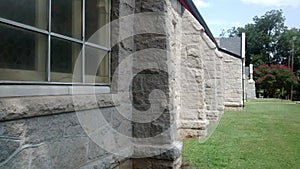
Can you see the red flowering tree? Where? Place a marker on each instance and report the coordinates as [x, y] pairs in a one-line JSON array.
[[274, 80]]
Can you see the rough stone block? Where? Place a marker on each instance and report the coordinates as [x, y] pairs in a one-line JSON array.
[[8, 146], [191, 133], [193, 124], [68, 153]]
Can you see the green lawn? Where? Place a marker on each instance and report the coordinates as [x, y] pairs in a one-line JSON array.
[[265, 135]]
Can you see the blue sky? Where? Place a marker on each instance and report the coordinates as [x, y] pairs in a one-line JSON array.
[[224, 14]]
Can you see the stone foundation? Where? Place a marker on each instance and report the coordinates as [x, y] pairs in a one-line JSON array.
[[45, 132]]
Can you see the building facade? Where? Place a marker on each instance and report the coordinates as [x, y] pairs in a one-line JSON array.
[[233, 51], [105, 84]]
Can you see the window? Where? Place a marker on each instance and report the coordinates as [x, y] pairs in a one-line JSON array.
[[54, 41]]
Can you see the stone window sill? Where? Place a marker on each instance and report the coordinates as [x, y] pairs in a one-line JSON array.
[[49, 90], [26, 107]]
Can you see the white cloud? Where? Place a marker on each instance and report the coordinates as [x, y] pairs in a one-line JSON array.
[[201, 4], [278, 3]]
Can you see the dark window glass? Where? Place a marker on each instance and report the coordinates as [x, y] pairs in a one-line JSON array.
[[30, 12], [67, 18], [96, 65], [65, 55], [96, 22], [22, 54]]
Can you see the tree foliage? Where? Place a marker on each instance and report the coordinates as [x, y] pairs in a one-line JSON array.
[[274, 80], [270, 42], [261, 37], [284, 48]]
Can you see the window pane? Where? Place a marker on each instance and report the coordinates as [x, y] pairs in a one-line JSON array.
[[96, 65], [22, 54], [65, 56], [66, 18], [30, 12], [97, 16]]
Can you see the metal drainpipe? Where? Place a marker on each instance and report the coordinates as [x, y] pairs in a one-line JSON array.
[[243, 65]]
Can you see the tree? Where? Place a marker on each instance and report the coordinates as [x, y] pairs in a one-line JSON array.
[[297, 94], [274, 80], [284, 48], [269, 41], [261, 37]]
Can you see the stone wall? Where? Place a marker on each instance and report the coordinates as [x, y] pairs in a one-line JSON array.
[[214, 84], [167, 81], [233, 93], [220, 81], [46, 132], [201, 80], [154, 86], [192, 120], [75, 131], [250, 89]]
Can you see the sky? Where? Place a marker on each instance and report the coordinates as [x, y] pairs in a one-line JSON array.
[[224, 14]]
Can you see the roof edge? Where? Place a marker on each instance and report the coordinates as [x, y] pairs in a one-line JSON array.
[[230, 53], [189, 5]]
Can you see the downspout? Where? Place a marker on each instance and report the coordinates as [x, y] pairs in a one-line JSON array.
[[243, 66]]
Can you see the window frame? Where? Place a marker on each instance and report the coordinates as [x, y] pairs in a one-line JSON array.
[[50, 35]]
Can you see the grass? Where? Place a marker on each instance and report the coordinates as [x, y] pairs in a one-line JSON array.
[[265, 135]]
